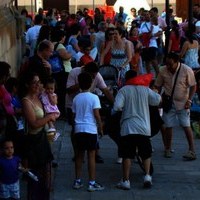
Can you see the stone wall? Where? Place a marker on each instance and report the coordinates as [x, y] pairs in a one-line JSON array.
[[11, 37]]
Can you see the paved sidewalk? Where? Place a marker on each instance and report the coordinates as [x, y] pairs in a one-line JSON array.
[[173, 178]]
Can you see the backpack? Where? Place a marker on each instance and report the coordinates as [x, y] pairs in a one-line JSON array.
[[56, 61]]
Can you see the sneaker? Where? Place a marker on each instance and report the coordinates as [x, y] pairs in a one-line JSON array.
[[124, 185], [119, 160], [99, 159], [167, 154], [95, 187], [190, 155], [147, 181], [77, 185]]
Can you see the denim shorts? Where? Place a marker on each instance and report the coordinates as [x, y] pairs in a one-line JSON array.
[[10, 190], [173, 116]]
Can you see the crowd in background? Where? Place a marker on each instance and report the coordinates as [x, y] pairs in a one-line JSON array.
[[60, 46]]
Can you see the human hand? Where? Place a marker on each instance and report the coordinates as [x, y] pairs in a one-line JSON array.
[[46, 64], [188, 104]]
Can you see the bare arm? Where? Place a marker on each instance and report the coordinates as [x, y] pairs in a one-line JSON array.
[[104, 52], [98, 119], [108, 94], [53, 99], [64, 54], [30, 116], [184, 49]]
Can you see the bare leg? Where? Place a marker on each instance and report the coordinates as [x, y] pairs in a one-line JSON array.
[[91, 165], [168, 134], [155, 66], [190, 138], [126, 166], [78, 163], [147, 163], [163, 133]]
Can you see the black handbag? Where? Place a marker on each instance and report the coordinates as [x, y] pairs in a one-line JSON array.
[[167, 100]]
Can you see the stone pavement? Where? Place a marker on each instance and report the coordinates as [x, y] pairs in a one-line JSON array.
[[173, 178]]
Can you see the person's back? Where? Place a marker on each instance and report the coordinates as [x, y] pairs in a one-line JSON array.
[[135, 115]]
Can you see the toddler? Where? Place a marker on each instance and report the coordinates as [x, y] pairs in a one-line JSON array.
[[49, 101], [9, 172]]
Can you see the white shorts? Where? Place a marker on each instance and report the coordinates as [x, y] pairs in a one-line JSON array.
[[182, 116]]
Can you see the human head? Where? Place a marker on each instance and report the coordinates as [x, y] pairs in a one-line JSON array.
[[38, 20], [11, 85], [92, 68], [7, 148], [29, 82], [118, 33], [133, 11], [85, 80], [121, 9], [109, 34], [154, 11], [154, 20], [50, 85], [75, 29], [58, 36], [146, 15], [102, 26], [45, 49], [130, 74], [172, 60], [24, 12], [196, 9], [40, 11], [44, 33], [4, 72]]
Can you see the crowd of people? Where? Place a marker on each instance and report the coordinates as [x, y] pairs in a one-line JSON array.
[[60, 80]]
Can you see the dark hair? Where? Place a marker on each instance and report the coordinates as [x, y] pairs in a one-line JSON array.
[[11, 83], [84, 80], [38, 19], [74, 29], [173, 56], [50, 80], [25, 80], [4, 69], [24, 11], [189, 36], [57, 35], [43, 34], [91, 67], [130, 74], [3, 142], [120, 31], [175, 28], [107, 33], [45, 44], [154, 9]]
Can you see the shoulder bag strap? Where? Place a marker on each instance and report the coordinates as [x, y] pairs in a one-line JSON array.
[[175, 81]]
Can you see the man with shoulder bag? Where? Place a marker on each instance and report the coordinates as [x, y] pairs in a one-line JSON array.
[[179, 86]]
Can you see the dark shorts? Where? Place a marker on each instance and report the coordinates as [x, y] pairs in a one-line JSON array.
[[149, 54], [132, 144], [86, 141]]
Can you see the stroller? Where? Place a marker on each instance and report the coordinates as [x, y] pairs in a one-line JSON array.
[[110, 75]]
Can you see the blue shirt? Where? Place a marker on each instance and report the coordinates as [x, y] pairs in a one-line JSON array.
[[9, 170]]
